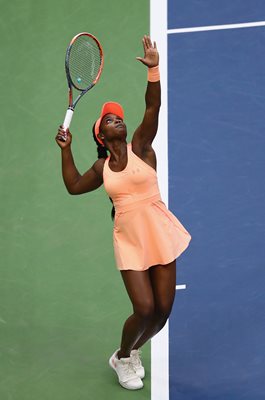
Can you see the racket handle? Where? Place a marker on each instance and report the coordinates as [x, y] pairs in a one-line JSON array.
[[68, 118]]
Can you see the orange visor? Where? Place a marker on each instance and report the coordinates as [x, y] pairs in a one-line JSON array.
[[108, 108]]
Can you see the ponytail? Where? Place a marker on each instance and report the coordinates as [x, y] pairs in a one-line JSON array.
[[102, 153]]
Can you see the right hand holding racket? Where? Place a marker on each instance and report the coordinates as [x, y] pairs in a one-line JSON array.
[[63, 137]]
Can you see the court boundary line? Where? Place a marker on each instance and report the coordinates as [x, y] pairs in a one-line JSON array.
[[216, 27], [160, 343]]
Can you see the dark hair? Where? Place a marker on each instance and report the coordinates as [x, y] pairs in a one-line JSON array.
[[102, 153]]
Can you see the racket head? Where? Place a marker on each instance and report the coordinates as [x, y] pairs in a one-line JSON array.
[[84, 61]]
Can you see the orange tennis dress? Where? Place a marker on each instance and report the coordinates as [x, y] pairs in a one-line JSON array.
[[145, 232]]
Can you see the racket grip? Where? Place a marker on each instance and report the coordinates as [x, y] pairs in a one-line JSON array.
[[68, 118]]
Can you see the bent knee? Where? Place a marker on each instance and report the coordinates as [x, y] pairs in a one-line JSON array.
[[145, 310], [162, 311]]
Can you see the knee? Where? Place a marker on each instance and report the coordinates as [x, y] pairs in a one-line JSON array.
[[145, 310], [162, 312]]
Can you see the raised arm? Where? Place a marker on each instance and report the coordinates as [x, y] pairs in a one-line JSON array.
[[74, 182], [145, 133]]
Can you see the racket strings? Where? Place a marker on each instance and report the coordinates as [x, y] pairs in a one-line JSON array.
[[84, 62]]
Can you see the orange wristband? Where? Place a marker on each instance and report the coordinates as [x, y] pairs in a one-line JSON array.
[[153, 74]]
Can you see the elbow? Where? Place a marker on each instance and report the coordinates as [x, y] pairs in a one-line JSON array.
[[71, 186], [71, 191]]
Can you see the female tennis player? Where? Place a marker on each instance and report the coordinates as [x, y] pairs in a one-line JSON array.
[[147, 237]]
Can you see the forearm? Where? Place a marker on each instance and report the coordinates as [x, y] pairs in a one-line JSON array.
[[69, 170], [153, 95]]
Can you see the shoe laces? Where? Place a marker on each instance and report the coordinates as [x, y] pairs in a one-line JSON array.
[[128, 371], [136, 358]]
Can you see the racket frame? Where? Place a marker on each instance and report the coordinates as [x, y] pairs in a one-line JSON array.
[[71, 84]]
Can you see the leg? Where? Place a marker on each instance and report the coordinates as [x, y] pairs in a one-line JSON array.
[[163, 279], [139, 288]]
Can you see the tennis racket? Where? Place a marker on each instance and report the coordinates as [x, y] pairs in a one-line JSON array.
[[83, 66]]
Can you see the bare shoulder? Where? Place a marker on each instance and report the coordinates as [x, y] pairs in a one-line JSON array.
[[146, 153], [98, 167]]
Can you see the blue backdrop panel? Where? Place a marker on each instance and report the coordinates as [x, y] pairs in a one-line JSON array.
[[187, 13], [216, 188]]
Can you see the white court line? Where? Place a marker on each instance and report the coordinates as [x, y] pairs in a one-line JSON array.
[[180, 287], [216, 27], [159, 344]]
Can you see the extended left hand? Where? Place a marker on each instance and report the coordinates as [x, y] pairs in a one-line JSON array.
[[151, 55]]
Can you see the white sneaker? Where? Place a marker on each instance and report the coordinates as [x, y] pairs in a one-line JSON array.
[[137, 364], [126, 374]]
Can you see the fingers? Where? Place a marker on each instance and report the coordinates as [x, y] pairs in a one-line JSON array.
[[140, 59], [62, 131], [144, 44], [147, 43], [63, 136]]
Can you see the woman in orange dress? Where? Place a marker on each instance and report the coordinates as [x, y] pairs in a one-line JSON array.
[[147, 237]]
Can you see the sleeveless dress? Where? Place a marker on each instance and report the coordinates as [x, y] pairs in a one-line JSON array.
[[145, 232]]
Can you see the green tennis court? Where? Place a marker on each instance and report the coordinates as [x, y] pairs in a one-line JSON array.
[[62, 300]]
